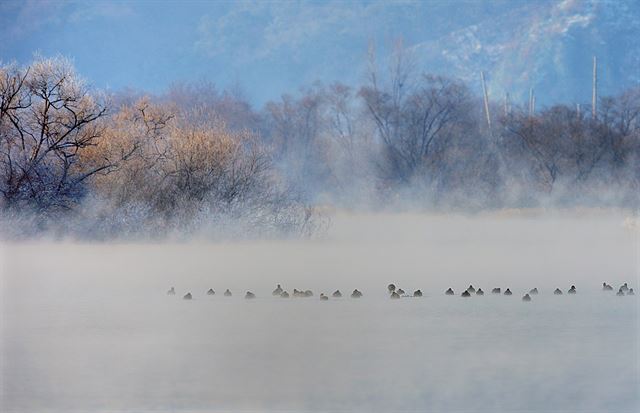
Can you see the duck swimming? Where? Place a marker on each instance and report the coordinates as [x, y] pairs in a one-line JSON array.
[[471, 289], [249, 295], [391, 288], [479, 291], [277, 291], [533, 291], [417, 293], [557, 291], [172, 291], [624, 287], [449, 292], [187, 296], [284, 294], [211, 292], [323, 297], [227, 293], [356, 294], [337, 294], [526, 297], [572, 290], [630, 292], [308, 293], [495, 290], [507, 292], [465, 294], [606, 287], [400, 291], [395, 295], [620, 292]]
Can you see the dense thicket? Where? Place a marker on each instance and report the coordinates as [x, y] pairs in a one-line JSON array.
[[74, 161], [195, 157]]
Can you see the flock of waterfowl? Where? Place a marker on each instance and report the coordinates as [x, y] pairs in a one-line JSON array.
[[624, 289], [396, 293]]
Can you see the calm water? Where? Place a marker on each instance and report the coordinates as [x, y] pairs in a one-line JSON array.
[[89, 327]]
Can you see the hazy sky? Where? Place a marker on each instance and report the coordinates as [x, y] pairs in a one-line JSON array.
[[269, 48]]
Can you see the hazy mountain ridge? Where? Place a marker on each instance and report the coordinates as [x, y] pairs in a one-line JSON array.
[[545, 46], [275, 48]]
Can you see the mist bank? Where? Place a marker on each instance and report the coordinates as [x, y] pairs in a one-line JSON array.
[[517, 249], [89, 327], [79, 163]]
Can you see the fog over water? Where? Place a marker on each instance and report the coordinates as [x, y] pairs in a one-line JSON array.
[[89, 327]]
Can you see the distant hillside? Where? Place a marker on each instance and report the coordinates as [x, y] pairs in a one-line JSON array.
[[547, 46]]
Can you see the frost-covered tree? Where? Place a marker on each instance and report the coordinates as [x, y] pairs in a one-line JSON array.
[[48, 117]]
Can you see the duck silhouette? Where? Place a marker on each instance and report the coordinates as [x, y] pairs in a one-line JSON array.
[[337, 294], [400, 291], [249, 295], [557, 291], [308, 293], [526, 297], [356, 294], [495, 290], [284, 294], [187, 296], [417, 293], [395, 295], [449, 292], [507, 292], [471, 289], [624, 287], [620, 292], [630, 292], [277, 291], [323, 297], [391, 288], [227, 293], [479, 291], [465, 294], [572, 290], [211, 292], [606, 287], [533, 291], [172, 291]]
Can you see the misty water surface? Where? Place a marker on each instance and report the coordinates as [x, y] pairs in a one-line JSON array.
[[89, 327]]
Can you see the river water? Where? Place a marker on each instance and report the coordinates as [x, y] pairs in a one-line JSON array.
[[88, 327]]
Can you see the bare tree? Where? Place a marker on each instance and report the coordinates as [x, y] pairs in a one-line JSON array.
[[413, 127], [619, 125], [47, 118], [296, 125], [231, 107], [137, 134], [561, 144], [538, 139]]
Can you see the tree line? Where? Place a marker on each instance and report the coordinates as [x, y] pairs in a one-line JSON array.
[[195, 156]]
